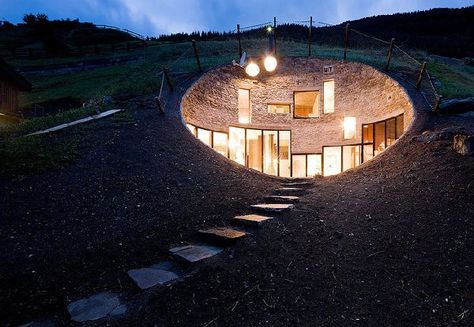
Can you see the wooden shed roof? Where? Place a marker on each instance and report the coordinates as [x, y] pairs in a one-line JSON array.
[[7, 72]]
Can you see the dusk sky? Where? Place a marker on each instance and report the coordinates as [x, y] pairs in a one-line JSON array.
[[155, 17]]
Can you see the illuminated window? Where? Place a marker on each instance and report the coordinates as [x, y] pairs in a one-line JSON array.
[[270, 152], [278, 108], [299, 165], [332, 160], [284, 138], [244, 106], [219, 142], [328, 88], [350, 156], [400, 126], [368, 142], [237, 144], [306, 104], [204, 136], [254, 149], [191, 128], [349, 128], [314, 165], [390, 131], [379, 139]]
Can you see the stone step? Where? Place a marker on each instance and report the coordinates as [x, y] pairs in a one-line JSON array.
[[297, 184], [152, 276], [194, 253], [273, 207], [96, 307], [221, 234], [282, 198], [290, 191], [251, 220]]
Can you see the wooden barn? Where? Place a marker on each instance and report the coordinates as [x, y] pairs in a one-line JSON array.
[[11, 84]]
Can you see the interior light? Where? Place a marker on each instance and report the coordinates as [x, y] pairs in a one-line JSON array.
[[252, 69], [270, 63], [349, 128]]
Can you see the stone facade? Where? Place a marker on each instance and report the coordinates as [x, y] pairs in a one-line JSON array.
[[360, 91]]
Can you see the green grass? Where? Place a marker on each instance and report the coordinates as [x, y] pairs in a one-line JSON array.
[[23, 156], [454, 81], [26, 155], [36, 124]]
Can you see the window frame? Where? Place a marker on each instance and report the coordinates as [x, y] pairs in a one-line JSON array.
[[334, 97], [279, 104], [294, 104], [250, 106]]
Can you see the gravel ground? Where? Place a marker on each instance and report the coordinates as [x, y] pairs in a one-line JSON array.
[[389, 243]]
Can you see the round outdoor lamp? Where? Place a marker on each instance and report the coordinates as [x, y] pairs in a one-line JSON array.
[[270, 63], [252, 69]]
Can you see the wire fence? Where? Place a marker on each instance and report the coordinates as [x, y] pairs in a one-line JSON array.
[[308, 38], [291, 38]]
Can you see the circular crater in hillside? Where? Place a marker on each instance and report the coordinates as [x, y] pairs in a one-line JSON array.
[[309, 117]]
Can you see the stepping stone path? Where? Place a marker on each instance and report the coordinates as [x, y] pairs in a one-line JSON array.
[[297, 184], [96, 307], [108, 304], [273, 207], [222, 234], [290, 191], [282, 198], [194, 253], [152, 276], [251, 220]]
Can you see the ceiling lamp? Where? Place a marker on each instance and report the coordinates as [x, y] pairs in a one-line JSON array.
[[252, 69], [270, 63]]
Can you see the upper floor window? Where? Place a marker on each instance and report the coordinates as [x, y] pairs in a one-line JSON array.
[[278, 108], [328, 87], [244, 106], [306, 104]]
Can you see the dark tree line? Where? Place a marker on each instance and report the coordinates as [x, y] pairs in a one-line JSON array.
[[442, 31]]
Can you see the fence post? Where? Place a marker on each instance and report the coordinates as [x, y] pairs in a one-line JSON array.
[[196, 54], [346, 41], [309, 35], [389, 55], [274, 36], [420, 78], [240, 44], [169, 81], [439, 98]]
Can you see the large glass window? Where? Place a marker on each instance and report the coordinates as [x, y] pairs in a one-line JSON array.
[[219, 143], [349, 128], [254, 149], [314, 165], [332, 160], [270, 152], [191, 128], [284, 139], [204, 136], [306, 104], [379, 139], [390, 131], [350, 156], [278, 108], [237, 144], [299, 165], [328, 88], [400, 126], [244, 106]]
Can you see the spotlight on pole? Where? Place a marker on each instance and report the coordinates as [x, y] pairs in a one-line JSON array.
[[252, 69], [270, 63]]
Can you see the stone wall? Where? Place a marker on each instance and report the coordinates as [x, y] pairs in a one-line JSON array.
[[360, 91]]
